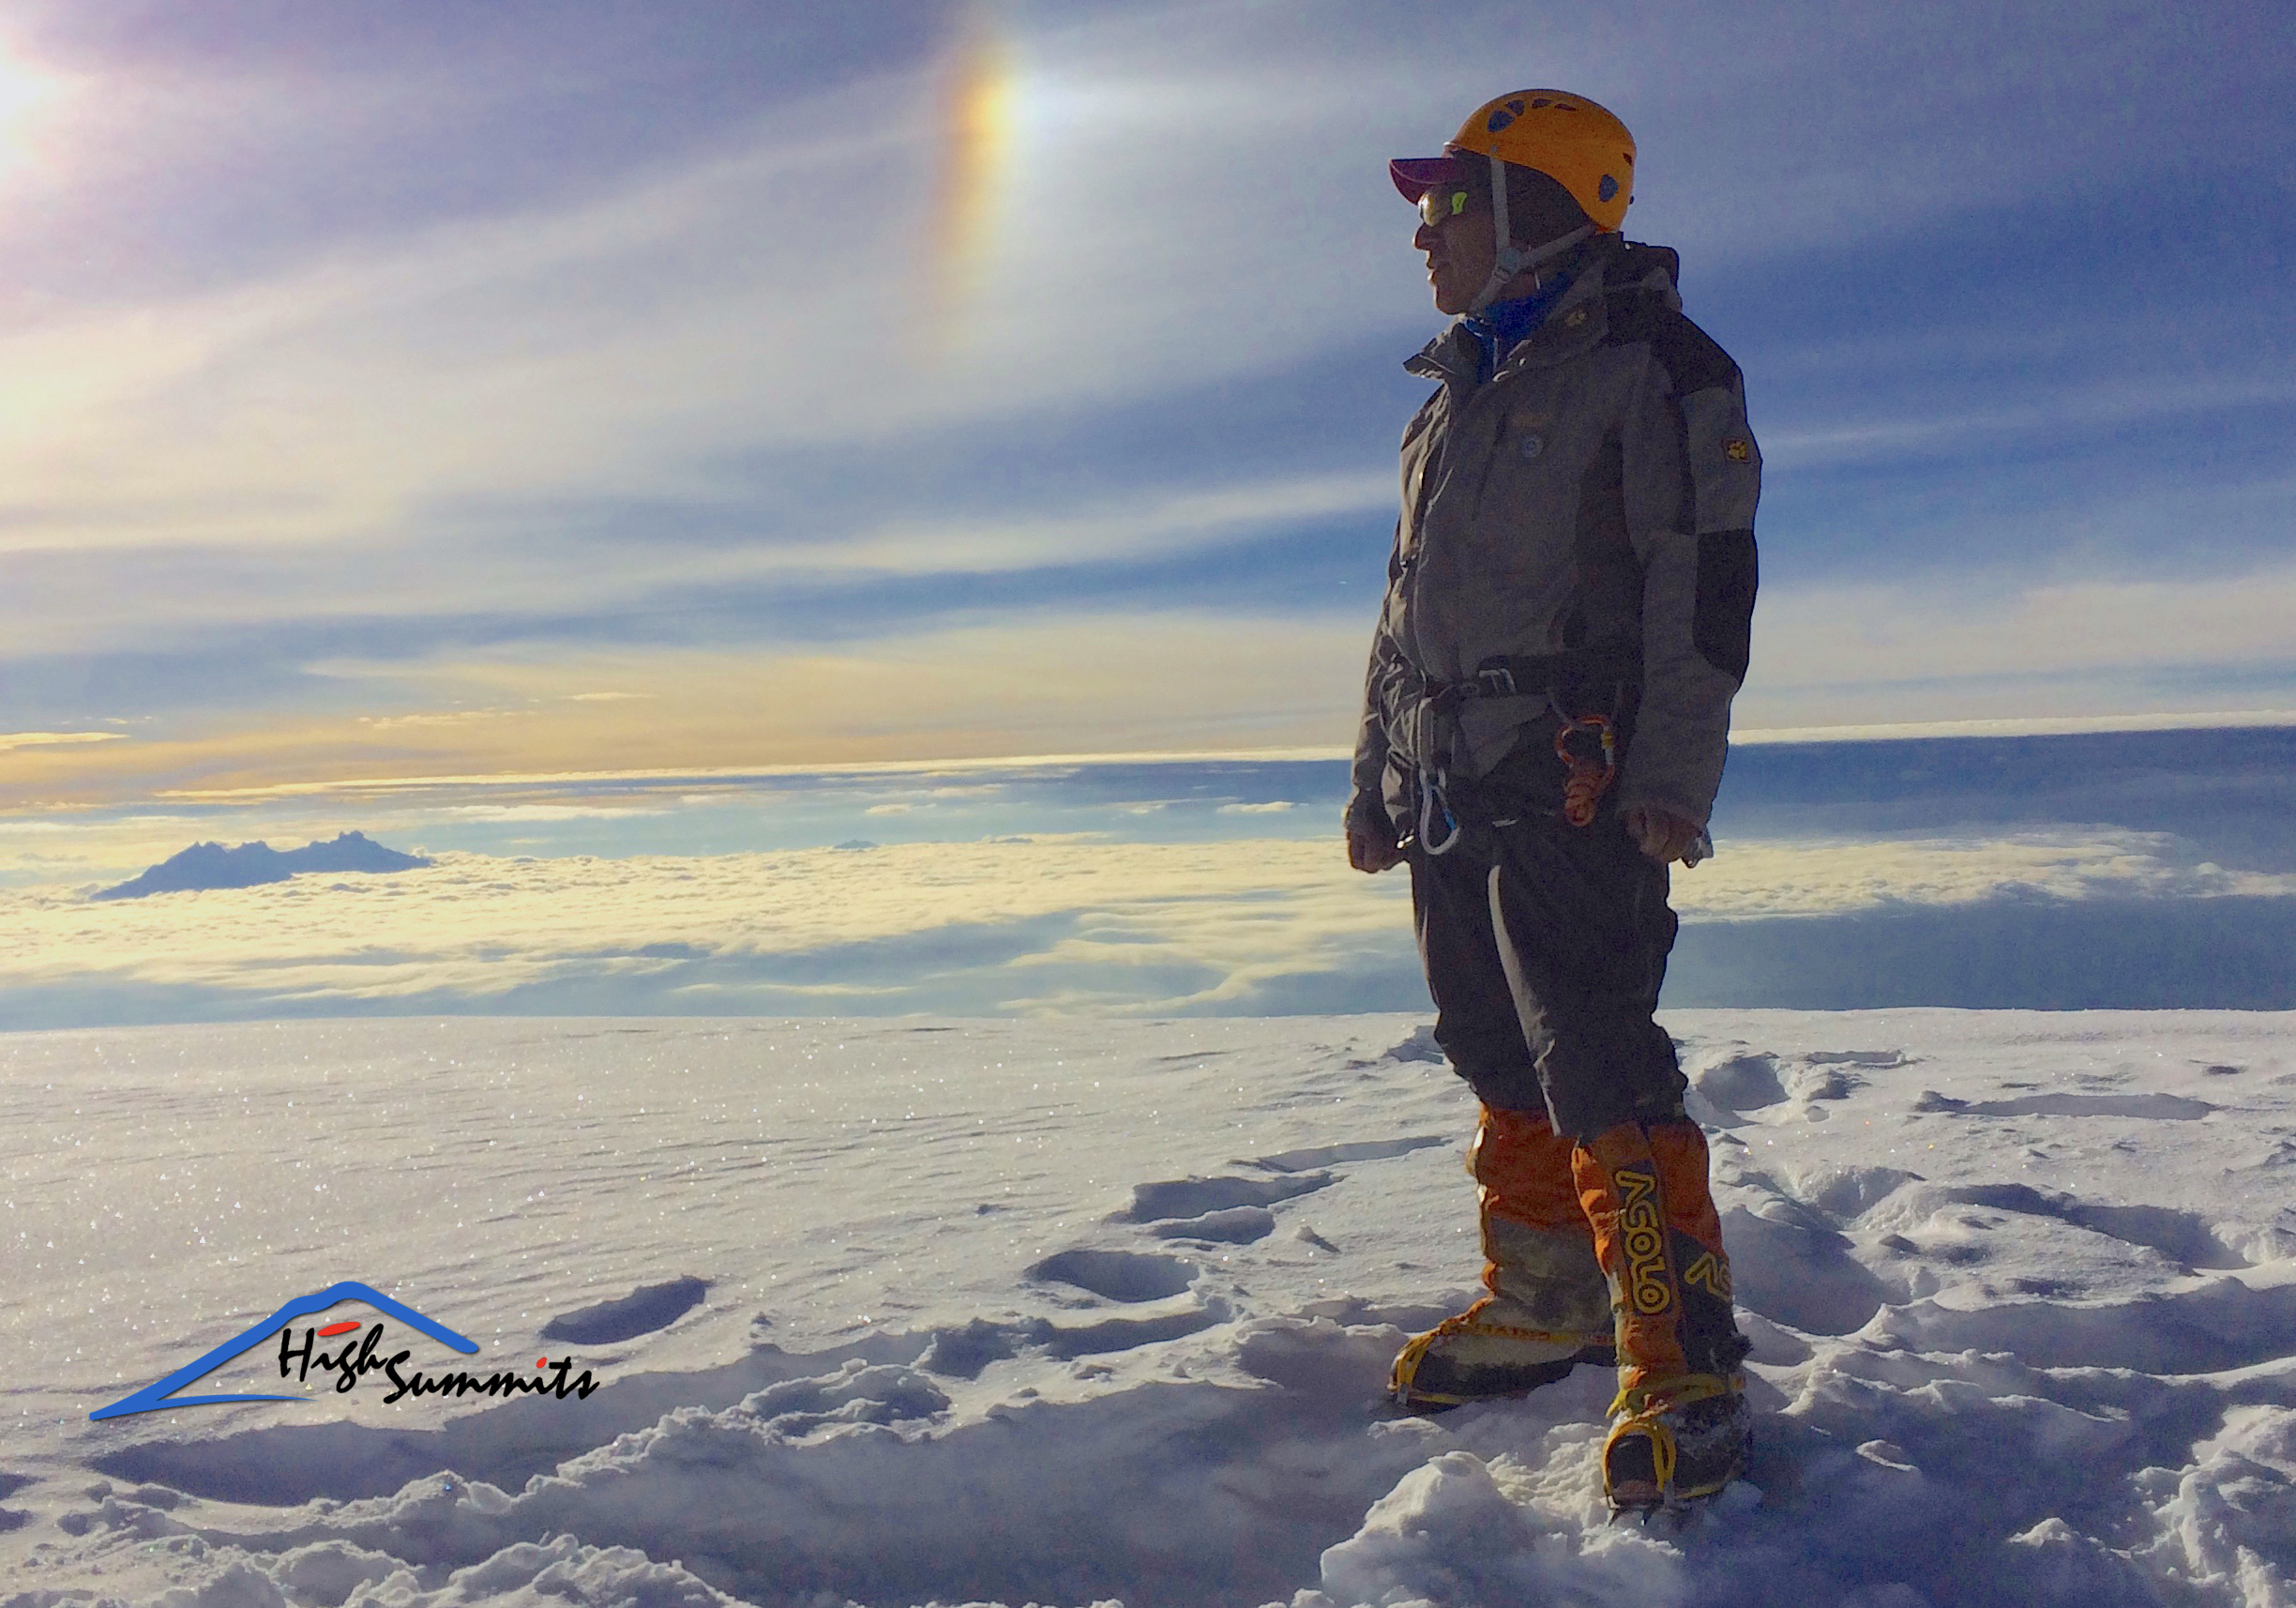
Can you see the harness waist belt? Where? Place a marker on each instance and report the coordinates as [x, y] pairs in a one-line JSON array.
[[1612, 666]]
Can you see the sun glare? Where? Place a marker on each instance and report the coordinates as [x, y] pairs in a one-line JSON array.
[[29, 94]]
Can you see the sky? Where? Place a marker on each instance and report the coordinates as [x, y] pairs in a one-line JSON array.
[[492, 407]]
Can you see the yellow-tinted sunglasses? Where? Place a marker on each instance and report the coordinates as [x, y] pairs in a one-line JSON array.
[[1439, 205]]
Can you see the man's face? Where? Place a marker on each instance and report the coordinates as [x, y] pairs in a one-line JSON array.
[[1460, 249]]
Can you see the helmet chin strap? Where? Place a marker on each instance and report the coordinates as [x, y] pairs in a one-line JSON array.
[[1513, 259]]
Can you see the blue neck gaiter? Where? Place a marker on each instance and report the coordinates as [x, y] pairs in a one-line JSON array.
[[1497, 327]]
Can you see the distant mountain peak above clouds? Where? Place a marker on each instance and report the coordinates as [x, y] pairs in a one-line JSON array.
[[205, 866]]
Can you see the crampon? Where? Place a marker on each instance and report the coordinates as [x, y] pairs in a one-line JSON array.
[[1476, 1355], [1675, 1444]]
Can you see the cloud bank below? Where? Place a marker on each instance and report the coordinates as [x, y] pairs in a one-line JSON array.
[[1080, 924]]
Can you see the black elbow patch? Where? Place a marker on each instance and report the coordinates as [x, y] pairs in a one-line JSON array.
[[1723, 626]]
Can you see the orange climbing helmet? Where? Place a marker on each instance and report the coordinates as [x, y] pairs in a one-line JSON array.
[[1570, 138]]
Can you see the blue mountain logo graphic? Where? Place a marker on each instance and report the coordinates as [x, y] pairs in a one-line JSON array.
[[161, 1393]]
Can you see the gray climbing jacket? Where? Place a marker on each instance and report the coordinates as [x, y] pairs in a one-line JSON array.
[[1576, 529]]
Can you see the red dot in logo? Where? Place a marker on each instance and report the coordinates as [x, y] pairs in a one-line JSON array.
[[541, 1362], [335, 1328]]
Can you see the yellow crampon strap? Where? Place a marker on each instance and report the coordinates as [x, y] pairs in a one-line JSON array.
[[1644, 1407], [1652, 1429], [1469, 1322], [1407, 1360], [1668, 1395]]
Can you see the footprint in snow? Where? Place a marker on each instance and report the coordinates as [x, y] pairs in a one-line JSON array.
[[1332, 1155], [1756, 1080], [1126, 1276], [1793, 1267], [644, 1309], [856, 1393], [2153, 1107], [1238, 1225], [2180, 1235], [2215, 1327], [1420, 1046], [1193, 1197], [1740, 1082]]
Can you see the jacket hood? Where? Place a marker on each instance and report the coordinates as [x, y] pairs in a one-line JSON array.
[[1638, 263]]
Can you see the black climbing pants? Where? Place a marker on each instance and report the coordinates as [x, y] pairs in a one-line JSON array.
[[1545, 944]]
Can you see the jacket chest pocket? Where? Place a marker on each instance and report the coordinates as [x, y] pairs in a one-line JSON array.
[[1530, 489], [1525, 434]]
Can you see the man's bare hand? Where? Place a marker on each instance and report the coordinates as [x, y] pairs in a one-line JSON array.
[[1370, 850], [1662, 834]]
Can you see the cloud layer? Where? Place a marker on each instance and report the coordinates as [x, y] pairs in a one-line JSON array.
[[1049, 925]]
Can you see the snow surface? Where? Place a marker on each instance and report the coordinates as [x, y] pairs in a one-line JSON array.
[[1076, 1311]]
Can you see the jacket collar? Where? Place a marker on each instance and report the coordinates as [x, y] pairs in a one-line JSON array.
[[1575, 323]]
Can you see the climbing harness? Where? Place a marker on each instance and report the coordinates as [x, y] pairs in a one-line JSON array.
[[1588, 745]]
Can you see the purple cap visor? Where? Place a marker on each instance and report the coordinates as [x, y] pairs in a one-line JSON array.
[[1415, 175]]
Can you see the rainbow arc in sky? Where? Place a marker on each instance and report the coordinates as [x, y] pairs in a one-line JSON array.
[[980, 96]]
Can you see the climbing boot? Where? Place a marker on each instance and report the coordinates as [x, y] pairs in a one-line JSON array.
[[1679, 1427], [1675, 1442], [1547, 1308]]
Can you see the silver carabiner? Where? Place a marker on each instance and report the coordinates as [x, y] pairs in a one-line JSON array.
[[1431, 799]]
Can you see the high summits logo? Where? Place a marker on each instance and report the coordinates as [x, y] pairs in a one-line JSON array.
[[358, 1357]]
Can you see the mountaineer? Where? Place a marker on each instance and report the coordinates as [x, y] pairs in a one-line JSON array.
[[1546, 713]]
